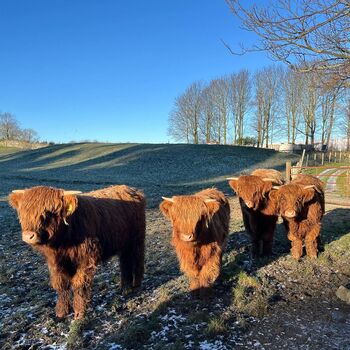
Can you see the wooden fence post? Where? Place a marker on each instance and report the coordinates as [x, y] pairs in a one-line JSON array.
[[288, 171], [302, 158]]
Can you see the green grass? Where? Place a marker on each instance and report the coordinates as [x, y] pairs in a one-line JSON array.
[[343, 184], [75, 337], [5, 150], [248, 296], [216, 326]]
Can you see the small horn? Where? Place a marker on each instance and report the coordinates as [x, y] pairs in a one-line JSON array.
[[18, 191], [65, 193], [210, 200], [232, 178], [65, 222], [309, 186], [168, 199], [317, 189], [268, 179]]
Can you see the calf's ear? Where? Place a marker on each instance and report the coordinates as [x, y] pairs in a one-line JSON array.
[[15, 199], [233, 184], [267, 187], [213, 206], [70, 204], [273, 195], [165, 206], [308, 193]]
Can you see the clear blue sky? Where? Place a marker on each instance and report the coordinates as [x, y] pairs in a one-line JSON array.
[[109, 70]]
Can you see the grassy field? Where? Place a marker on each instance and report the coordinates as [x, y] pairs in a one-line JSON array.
[[274, 303]]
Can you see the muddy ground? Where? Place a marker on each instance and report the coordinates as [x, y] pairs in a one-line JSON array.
[[275, 303]]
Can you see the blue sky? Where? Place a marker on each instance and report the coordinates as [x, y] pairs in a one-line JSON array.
[[110, 70]]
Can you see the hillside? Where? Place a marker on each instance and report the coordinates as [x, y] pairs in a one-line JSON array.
[[161, 169], [275, 303]]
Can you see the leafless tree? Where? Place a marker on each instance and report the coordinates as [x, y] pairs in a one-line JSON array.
[[266, 82], [240, 96], [185, 116], [312, 34], [310, 101], [28, 135], [292, 83], [220, 91], [208, 114], [9, 129]]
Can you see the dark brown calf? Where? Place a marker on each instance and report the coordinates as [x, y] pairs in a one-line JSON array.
[[200, 227], [76, 232], [301, 204], [258, 210]]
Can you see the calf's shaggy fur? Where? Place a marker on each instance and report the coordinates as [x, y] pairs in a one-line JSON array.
[[258, 210], [301, 204], [76, 232], [200, 228]]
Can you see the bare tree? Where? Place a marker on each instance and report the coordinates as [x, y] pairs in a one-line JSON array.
[[310, 101], [29, 135], [208, 114], [313, 34], [220, 91], [266, 83], [291, 83], [9, 129], [185, 116], [240, 95]]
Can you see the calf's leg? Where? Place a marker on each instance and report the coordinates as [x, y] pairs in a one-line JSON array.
[[267, 236], [138, 261], [81, 283], [311, 241], [61, 283], [210, 271], [297, 246], [126, 270]]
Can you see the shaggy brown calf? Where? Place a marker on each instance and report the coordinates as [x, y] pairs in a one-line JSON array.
[[76, 232], [200, 227], [301, 205], [258, 210]]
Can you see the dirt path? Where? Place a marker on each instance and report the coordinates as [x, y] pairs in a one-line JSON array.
[[331, 184]]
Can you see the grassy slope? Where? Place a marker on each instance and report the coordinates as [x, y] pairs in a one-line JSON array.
[[257, 304], [161, 169]]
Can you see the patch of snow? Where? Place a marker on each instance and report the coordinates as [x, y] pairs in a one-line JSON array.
[[217, 345]]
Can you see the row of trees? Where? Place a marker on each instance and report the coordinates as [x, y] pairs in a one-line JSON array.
[[272, 104], [307, 100], [11, 131]]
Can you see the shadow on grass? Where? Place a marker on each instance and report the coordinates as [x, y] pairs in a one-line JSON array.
[[158, 169]]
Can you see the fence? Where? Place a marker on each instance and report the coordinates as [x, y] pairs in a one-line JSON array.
[[321, 158], [335, 175]]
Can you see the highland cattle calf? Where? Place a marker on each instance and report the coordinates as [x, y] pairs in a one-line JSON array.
[[258, 210], [200, 227], [76, 232], [301, 204]]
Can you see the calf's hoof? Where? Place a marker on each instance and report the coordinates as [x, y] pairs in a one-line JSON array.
[[78, 315], [62, 310]]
